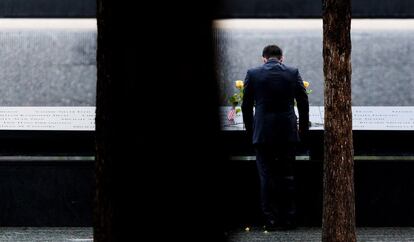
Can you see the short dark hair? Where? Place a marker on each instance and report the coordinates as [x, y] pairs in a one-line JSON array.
[[272, 51]]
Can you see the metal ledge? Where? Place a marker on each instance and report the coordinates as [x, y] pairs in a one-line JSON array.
[[357, 158], [46, 158]]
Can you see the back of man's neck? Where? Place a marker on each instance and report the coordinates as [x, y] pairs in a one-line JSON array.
[[273, 59]]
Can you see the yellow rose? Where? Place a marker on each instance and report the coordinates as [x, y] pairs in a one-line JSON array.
[[239, 84], [306, 84]]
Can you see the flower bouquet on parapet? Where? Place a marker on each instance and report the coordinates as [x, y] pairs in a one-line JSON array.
[[308, 91], [235, 100], [306, 84]]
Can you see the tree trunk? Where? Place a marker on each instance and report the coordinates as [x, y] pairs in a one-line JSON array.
[[339, 203], [104, 202], [158, 162]]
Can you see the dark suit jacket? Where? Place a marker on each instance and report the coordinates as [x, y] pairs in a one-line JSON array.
[[272, 89]]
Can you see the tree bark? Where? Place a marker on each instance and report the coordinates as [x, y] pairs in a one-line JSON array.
[[339, 203]]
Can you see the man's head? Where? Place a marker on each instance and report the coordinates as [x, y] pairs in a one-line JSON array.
[[272, 51]]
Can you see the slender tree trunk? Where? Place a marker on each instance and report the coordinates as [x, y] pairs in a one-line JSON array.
[[339, 202]]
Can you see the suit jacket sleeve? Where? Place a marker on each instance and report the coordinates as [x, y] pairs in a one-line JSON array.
[[302, 103], [247, 105]]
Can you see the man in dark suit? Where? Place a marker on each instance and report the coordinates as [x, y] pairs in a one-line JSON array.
[[272, 90]]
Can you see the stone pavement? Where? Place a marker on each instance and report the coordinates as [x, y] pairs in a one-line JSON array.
[[45, 234], [386, 234], [60, 234]]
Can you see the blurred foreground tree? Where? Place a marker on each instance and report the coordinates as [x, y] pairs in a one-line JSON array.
[[157, 167]]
